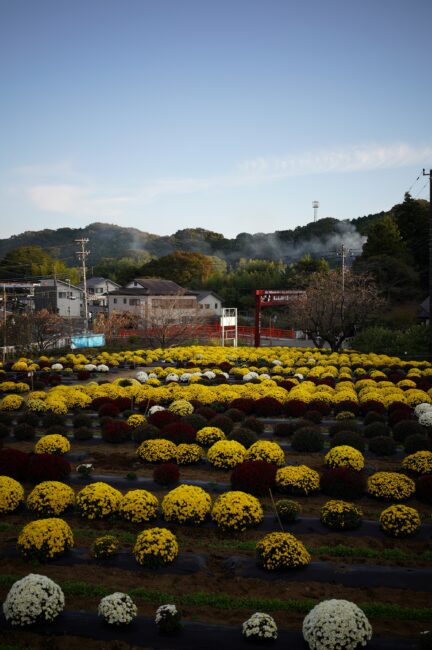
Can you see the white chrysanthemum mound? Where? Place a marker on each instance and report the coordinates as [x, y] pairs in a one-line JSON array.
[[171, 377], [208, 374], [299, 376], [90, 367], [117, 609], [57, 367], [156, 409], [142, 376], [425, 419], [250, 375], [165, 611], [336, 624], [261, 627], [102, 367], [184, 377], [422, 408], [276, 362], [33, 599]]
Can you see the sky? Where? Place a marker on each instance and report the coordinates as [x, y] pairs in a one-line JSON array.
[[229, 115]]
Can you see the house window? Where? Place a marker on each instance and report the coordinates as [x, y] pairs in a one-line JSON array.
[[125, 301], [115, 301], [62, 294], [134, 301], [201, 306], [216, 305], [98, 290], [207, 306], [135, 283]]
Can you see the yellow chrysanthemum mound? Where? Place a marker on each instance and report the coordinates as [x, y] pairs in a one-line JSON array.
[[297, 480], [341, 515], [45, 539], [136, 420], [226, 454], [344, 456], [156, 547], [50, 498], [237, 511], [186, 504], [399, 521], [181, 407], [11, 494], [138, 506], [98, 500], [53, 443], [157, 451], [418, 463], [188, 454], [208, 436], [390, 486], [278, 551], [266, 450], [11, 403]]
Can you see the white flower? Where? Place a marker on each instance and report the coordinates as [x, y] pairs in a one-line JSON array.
[[336, 624], [184, 377], [152, 375], [102, 368], [57, 367], [260, 626], [33, 598], [155, 409], [276, 362], [90, 367], [142, 376], [299, 376], [425, 419], [264, 375], [424, 407], [250, 375], [164, 612], [117, 609], [171, 377], [209, 374]]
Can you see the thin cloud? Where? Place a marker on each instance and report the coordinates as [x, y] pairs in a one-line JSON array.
[[85, 201]]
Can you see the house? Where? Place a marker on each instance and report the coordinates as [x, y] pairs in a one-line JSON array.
[[146, 297], [97, 291], [60, 297], [210, 304], [423, 314]]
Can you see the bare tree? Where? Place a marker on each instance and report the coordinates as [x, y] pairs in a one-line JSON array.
[[111, 324], [34, 331], [171, 323], [335, 308]]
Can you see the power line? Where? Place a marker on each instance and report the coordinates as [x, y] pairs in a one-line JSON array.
[[417, 179]]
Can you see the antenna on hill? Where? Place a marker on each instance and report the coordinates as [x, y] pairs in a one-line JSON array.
[[315, 205]]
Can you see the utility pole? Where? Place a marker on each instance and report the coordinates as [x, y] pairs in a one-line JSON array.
[[82, 256], [430, 259], [342, 253], [4, 323]]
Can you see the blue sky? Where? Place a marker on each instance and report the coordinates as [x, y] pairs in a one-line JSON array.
[[232, 115]]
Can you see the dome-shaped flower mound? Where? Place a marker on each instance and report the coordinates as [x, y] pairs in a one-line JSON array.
[[50, 498], [117, 609], [45, 539], [104, 547], [158, 450], [138, 506], [297, 479], [188, 454], [341, 515], [186, 504], [344, 456], [399, 521], [268, 451], [226, 454], [390, 486], [260, 627], [11, 494], [33, 599], [53, 443], [418, 463], [336, 624], [98, 500], [136, 420], [208, 436], [11, 403], [281, 551], [237, 510], [156, 547], [181, 407]]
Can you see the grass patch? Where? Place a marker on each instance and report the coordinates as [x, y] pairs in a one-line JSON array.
[[5, 527]]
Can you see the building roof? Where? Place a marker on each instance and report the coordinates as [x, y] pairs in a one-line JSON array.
[[203, 293], [158, 287], [95, 281]]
